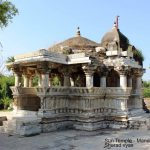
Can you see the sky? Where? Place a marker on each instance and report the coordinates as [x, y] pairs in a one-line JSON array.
[[42, 23]]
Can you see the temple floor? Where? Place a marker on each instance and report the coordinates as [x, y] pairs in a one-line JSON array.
[[78, 140]]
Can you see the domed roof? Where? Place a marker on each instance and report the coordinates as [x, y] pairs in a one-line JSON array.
[[74, 43], [117, 36]]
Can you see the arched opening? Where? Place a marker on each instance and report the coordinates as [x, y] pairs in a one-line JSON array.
[[113, 79], [55, 78], [79, 78], [96, 80]]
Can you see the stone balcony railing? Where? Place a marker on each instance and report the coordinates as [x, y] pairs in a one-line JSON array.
[[23, 90], [73, 91], [118, 91]]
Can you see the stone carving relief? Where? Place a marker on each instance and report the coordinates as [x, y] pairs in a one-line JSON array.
[[113, 46]]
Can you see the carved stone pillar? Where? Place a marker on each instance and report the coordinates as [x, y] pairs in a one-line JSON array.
[[123, 76], [136, 97], [103, 81], [30, 81], [26, 80], [103, 78], [45, 79], [89, 79], [66, 79], [66, 73], [18, 73], [43, 71], [123, 80], [89, 75], [17, 79], [130, 81], [138, 75]]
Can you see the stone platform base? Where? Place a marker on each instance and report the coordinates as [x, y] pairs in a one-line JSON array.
[[138, 119], [32, 124], [21, 126]]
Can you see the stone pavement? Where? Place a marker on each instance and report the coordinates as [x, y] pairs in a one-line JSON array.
[[79, 140]]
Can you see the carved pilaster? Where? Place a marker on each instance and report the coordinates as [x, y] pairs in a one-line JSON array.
[[138, 72]]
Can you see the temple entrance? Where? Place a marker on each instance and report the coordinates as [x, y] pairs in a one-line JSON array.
[[113, 79]]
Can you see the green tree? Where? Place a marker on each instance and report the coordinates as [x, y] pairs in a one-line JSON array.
[[5, 91], [7, 12], [146, 93], [146, 84], [138, 56], [10, 60]]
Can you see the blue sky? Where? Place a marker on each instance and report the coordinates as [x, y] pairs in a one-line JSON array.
[[41, 23]]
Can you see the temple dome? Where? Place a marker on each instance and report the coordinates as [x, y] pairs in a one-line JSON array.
[[115, 36], [75, 43]]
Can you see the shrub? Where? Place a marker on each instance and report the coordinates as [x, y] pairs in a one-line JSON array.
[[146, 92], [5, 91], [6, 101]]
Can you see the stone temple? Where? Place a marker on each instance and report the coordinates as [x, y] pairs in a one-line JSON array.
[[99, 86]]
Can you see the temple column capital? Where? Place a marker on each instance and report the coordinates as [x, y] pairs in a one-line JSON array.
[[138, 72], [122, 70]]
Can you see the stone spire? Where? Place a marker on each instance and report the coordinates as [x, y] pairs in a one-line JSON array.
[[117, 25], [78, 32]]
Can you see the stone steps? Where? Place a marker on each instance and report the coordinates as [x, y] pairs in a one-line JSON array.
[[3, 118]]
